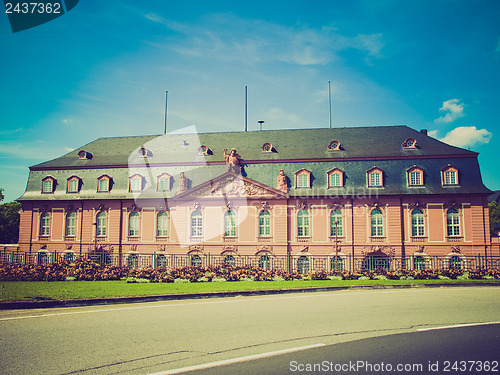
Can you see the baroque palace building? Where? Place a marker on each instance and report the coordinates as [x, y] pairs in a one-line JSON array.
[[300, 200]]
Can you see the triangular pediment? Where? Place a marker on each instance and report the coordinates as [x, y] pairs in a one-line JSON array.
[[231, 185]]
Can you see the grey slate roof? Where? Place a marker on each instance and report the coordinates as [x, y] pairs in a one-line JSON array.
[[361, 149]]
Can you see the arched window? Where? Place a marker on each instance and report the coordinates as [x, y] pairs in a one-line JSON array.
[[336, 223], [455, 262], [417, 223], [42, 258], [419, 262], [45, 224], [303, 223], [265, 262], [133, 224], [230, 260], [264, 224], [162, 224], [133, 261], [196, 224], [377, 223], [70, 224], [68, 256], [303, 264], [161, 261], [230, 224], [453, 222], [337, 264], [196, 261], [101, 224]]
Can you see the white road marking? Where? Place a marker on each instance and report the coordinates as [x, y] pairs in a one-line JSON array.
[[237, 360], [457, 325]]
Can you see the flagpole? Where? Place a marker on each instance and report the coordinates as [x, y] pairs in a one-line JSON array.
[[330, 103], [166, 98]]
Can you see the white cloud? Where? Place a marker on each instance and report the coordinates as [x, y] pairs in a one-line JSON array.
[[281, 116], [454, 108], [68, 149], [300, 45], [464, 136]]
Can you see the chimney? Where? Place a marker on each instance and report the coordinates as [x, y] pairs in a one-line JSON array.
[[423, 131]]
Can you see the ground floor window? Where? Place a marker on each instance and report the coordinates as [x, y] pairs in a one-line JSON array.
[[196, 261], [419, 263], [455, 263], [371, 263], [303, 264], [229, 259], [133, 261], [337, 264], [265, 262], [68, 257], [42, 258], [161, 261]]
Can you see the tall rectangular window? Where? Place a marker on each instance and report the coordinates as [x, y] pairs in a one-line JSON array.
[[377, 223], [336, 223], [303, 223], [70, 224], [101, 224], [417, 223], [45, 224], [264, 224], [196, 224]]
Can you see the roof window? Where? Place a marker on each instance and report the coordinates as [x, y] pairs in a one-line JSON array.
[[334, 146], [410, 143], [82, 154]]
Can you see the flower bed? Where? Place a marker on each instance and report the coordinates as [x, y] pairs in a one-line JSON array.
[[86, 269]]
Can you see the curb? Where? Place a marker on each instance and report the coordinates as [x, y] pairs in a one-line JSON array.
[[42, 304]]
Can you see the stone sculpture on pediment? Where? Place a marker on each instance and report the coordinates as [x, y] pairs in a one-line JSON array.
[[233, 159]]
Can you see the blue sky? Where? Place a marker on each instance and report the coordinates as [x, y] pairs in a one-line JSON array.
[[103, 68]]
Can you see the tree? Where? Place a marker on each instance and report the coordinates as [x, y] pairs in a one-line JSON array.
[[9, 222], [494, 217]]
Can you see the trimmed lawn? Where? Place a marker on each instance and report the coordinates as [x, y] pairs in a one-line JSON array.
[[64, 290]]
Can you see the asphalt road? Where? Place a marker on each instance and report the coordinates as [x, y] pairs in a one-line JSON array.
[[155, 337]]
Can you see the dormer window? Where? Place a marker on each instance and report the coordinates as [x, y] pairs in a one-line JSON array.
[[164, 182], [375, 177], [410, 143], [82, 154], [136, 183], [267, 147], [303, 179], [335, 178], [334, 146], [449, 176], [204, 150], [73, 184], [415, 176], [144, 152], [103, 184], [48, 185]]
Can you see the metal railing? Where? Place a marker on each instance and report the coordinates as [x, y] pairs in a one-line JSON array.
[[301, 264]]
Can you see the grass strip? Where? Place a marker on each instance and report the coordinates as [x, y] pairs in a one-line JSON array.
[[66, 290]]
